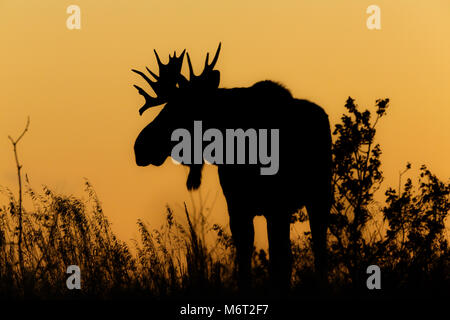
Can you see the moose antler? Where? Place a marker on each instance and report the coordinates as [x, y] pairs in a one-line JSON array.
[[170, 78], [166, 81], [208, 71]]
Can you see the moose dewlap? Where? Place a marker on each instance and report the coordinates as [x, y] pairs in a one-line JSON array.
[[240, 147]]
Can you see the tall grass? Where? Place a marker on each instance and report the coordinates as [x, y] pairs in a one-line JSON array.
[[60, 230], [173, 261]]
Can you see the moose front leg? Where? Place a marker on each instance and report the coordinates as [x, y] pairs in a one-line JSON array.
[[280, 261], [243, 234], [195, 176]]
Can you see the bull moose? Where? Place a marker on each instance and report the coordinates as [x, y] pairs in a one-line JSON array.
[[304, 175]]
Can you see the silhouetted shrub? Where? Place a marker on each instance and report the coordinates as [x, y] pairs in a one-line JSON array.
[[412, 250], [416, 250]]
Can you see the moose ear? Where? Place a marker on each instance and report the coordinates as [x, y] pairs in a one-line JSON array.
[[182, 81], [215, 79]]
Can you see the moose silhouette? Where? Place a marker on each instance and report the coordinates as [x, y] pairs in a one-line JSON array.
[[304, 175]]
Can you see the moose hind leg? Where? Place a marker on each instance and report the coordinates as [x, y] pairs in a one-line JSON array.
[[243, 234], [280, 256]]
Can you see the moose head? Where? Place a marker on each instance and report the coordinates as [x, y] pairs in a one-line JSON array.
[[181, 96]]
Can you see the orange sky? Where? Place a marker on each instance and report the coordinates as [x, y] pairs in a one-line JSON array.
[[76, 85]]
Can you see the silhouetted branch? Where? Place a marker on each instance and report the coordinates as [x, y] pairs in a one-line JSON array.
[[19, 167]]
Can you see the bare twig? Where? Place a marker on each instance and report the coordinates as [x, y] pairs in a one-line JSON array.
[[19, 176]]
